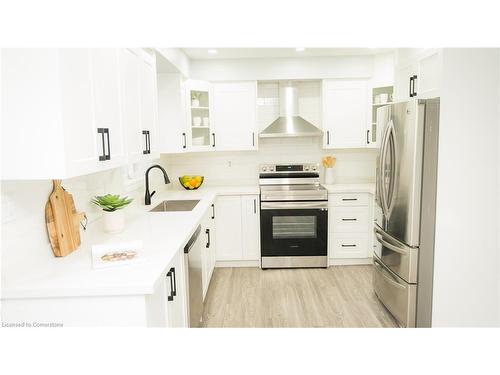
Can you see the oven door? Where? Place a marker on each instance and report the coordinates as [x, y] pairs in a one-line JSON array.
[[294, 229]]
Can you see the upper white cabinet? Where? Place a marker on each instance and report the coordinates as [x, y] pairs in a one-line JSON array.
[[172, 113], [417, 73], [61, 105], [235, 115], [201, 136], [139, 98], [345, 113]]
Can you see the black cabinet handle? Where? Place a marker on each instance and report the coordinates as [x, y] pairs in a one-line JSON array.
[[208, 238], [349, 219], [414, 81], [213, 136], [174, 292], [348, 245], [185, 144], [148, 142], [171, 296], [213, 211], [349, 199], [368, 137], [255, 206], [328, 137], [411, 88], [103, 156], [253, 139]]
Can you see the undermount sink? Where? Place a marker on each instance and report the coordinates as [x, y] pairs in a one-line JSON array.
[[175, 205]]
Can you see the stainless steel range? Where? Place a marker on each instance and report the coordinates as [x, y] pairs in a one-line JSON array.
[[293, 216]]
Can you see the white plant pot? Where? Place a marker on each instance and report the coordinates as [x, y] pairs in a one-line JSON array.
[[113, 222], [195, 103], [329, 176]]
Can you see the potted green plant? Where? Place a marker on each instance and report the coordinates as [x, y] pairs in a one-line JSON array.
[[112, 205]]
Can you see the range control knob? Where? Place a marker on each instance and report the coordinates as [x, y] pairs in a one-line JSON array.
[[313, 167], [306, 168], [264, 169], [271, 169]]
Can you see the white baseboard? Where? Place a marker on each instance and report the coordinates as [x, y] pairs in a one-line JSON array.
[[237, 263], [349, 261]]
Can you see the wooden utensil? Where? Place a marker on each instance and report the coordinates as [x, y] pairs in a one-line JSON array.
[[63, 221]]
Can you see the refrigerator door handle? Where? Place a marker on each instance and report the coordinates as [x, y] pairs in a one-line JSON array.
[[392, 191], [379, 174], [383, 193], [389, 245]]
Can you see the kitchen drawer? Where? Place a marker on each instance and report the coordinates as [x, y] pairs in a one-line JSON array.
[[348, 199], [350, 220], [349, 247]]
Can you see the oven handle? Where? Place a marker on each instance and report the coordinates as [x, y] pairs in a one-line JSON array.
[[321, 205]]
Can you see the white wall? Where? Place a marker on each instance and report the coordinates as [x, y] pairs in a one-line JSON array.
[[466, 265], [236, 168], [282, 68]]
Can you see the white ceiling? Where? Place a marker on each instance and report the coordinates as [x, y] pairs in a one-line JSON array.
[[248, 53]]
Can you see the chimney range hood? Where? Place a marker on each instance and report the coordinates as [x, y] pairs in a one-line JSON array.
[[289, 123]]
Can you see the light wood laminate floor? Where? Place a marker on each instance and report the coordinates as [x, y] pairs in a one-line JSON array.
[[339, 296]]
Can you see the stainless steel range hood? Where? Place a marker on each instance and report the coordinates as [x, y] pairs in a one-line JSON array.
[[290, 124]]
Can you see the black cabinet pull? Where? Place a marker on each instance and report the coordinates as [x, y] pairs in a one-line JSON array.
[[208, 238], [103, 156], [213, 211], [148, 142], [349, 199], [368, 137], [185, 144], [174, 292], [213, 136], [414, 81], [411, 88], [254, 206], [171, 296], [253, 139], [328, 137], [349, 219], [348, 245]]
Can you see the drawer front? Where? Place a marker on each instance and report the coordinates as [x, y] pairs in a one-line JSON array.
[[348, 199], [349, 247], [398, 296], [350, 220]]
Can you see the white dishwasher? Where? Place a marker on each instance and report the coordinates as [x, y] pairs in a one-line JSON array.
[[192, 258]]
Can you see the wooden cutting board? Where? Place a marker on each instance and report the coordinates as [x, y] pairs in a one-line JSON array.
[[63, 221]]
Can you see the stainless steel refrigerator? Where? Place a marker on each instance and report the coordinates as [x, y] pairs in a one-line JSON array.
[[405, 209]]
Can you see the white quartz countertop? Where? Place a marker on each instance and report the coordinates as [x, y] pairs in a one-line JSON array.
[[163, 234], [351, 188]]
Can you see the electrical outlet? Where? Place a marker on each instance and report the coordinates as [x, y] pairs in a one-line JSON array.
[[229, 163]]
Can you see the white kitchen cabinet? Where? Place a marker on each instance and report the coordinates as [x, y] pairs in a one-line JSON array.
[[238, 229], [350, 223], [200, 134], [228, 227], [66, 107], [234, 115], [417, 74], [208, 251], [173, 136], [345, 113], [105, 75], [250, 223], [139, 98], [167, 305]]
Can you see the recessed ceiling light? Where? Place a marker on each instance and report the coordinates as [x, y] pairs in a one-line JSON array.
[[300, 49], [212, 51]]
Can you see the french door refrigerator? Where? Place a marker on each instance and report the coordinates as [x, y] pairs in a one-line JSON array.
[[405, 209]]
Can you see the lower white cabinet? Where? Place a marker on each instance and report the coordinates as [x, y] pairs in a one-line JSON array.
[[208, 251], [167, 306], [350, 221], [237, 228]]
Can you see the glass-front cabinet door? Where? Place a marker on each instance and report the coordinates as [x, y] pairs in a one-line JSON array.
[[201, 136]]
